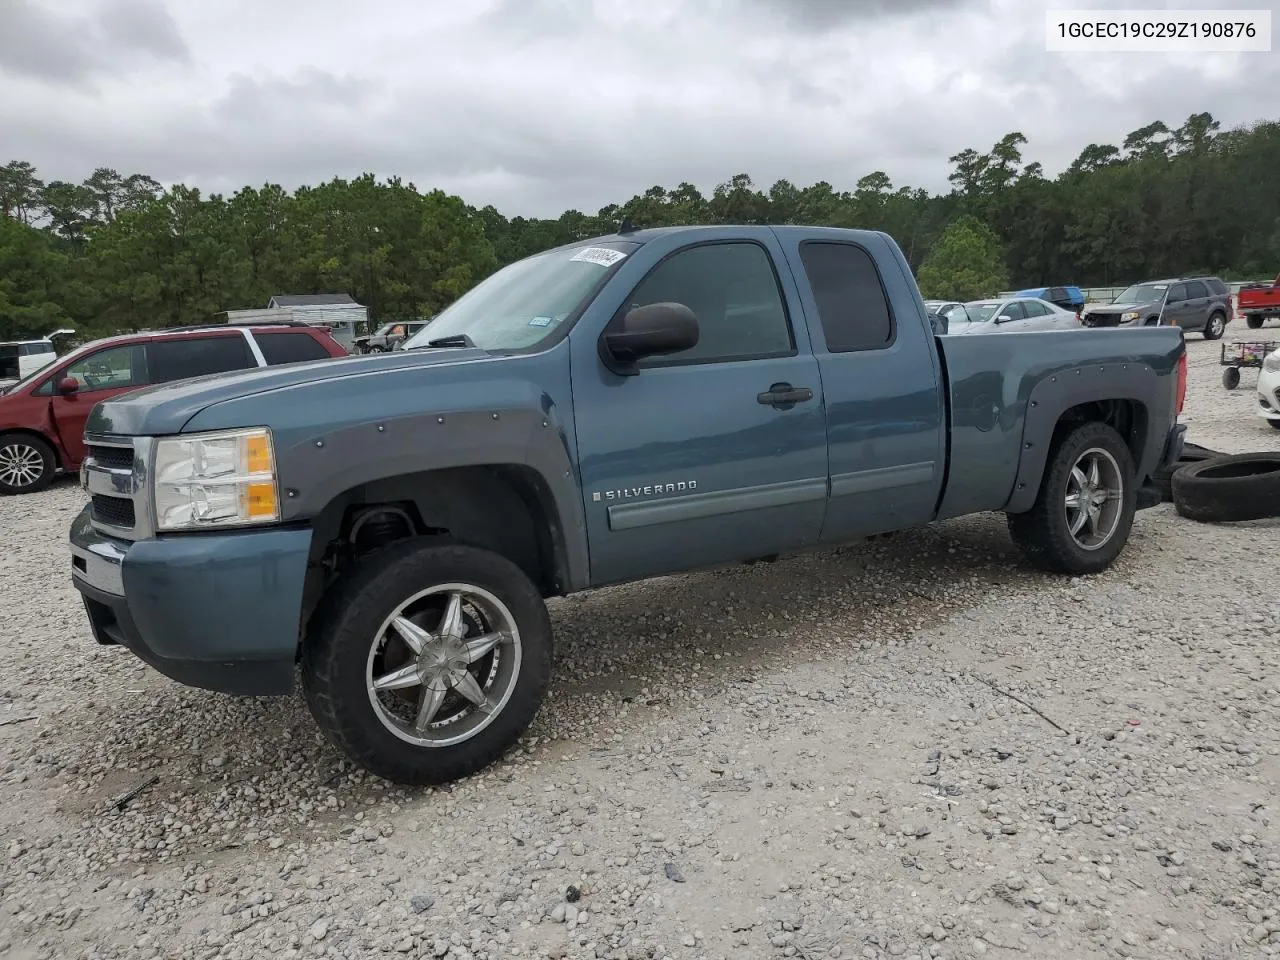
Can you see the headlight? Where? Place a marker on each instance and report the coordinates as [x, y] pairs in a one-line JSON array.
[[219, 479], [1272, 363], [1129, 317]]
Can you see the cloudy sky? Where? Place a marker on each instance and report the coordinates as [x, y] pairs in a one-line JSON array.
[[539, 105]]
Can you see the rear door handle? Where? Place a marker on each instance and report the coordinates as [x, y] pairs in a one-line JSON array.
[[784, 395]]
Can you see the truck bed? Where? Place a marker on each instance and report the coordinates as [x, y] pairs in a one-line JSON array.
[[1007, 391]]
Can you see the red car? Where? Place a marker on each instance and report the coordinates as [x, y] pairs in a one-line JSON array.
[[42, 417]]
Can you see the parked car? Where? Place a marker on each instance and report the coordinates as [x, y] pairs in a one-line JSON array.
[[946, 311], [42, 417], [388, 336], [1011, 315], [1259, 302], [630, 406], [1269, 389], [1192, 303], [1065, 298]]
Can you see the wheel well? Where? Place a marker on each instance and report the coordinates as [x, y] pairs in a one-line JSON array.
[[506, 508], [36, 434], [1127, 417]]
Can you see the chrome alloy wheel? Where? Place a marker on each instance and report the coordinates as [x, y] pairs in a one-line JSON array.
[[20, 464], [1095, 498], [443, 665]]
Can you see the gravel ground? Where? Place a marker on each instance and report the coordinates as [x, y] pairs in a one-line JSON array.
[[822, 757]]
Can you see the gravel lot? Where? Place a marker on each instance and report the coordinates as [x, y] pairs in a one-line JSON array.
[[815, 758]]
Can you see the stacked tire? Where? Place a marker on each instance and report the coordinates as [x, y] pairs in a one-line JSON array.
[[1228, 488]]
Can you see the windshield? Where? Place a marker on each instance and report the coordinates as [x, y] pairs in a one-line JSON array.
[[523, 303], [1142, 292], [980, 311]]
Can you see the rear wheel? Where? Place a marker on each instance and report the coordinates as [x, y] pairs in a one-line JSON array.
[[27, 464], [429, 661], [1215, 326], [1254, 321], [1084, 510]]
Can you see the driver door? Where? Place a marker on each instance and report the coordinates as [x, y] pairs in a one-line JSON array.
[[1175, 306], [100, 375]]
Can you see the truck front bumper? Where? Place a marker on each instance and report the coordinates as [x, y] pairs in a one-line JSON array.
[[218, 611]]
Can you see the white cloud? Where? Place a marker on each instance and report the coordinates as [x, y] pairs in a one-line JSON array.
[[539, 105]]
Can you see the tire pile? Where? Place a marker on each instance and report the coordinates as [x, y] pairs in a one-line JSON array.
[[1214, 487]]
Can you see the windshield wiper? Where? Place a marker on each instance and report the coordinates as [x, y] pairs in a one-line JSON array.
[[457, 340]]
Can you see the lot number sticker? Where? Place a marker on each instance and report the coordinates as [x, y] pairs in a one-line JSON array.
[[601, 255]]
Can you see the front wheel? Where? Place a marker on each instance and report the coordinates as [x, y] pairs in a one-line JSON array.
[[429, 661], [27, 464], [1084, 510], [1231, 377], [1215, 327]]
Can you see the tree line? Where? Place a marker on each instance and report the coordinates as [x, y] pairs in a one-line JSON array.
[[121, 252]]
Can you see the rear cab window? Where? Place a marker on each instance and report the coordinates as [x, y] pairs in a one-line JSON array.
[[853, 308]]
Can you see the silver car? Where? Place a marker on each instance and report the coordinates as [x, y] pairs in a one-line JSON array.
[[1010, 315]]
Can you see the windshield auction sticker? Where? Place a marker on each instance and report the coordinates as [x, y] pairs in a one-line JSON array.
[[601, 255]]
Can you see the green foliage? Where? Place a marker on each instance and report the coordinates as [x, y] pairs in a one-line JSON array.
[[32, 283], [119, 252], [965, 264]]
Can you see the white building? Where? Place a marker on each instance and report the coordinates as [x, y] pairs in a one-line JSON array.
[[339, 312]]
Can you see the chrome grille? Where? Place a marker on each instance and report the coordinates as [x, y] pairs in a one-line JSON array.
[[113, 457], [118, 500], [112, 511]]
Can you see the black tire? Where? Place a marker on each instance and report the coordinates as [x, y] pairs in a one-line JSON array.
[[1231, 377], [27, 464], [336, 658], [1215, 326], [375, 348], [1243, 486], [1043, 533], [1191, 453], [1254, 322], [1275, 424]]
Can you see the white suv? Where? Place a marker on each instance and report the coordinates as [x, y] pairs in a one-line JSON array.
[[19, 358]]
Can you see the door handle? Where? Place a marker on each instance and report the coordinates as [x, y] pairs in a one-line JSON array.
[[784, 394]]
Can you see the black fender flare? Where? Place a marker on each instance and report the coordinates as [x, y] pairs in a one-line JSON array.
[[1132, 382]]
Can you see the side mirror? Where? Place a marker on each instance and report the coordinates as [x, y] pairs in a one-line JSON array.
[[647, 331], [1003, 318], [68, 385], [939, 324]]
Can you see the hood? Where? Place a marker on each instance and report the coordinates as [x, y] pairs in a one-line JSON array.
[[166, 408], [1110, 308]]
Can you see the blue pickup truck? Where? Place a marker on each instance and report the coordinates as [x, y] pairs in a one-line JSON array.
[[634, 405]]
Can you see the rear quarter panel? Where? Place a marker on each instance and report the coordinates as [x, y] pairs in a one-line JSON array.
[[1007, 394]]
